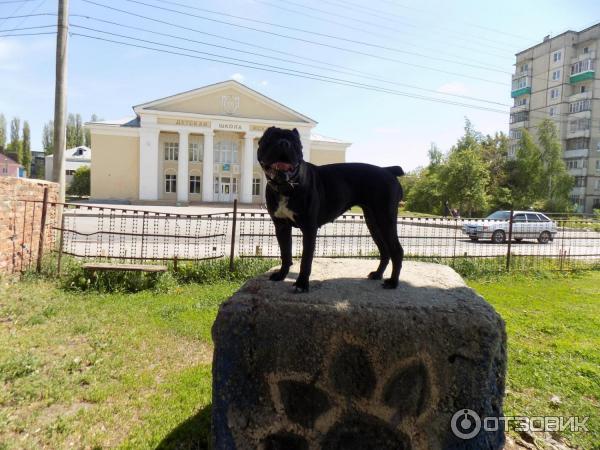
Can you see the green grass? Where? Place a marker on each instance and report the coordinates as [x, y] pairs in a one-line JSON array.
[[553, 327], [87, 369]]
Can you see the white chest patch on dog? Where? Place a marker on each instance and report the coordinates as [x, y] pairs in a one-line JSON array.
[[283, 212]]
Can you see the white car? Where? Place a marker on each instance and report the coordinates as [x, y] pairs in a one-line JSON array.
[[526, 225]]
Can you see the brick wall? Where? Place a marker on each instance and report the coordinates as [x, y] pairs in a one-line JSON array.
[[20, 222]]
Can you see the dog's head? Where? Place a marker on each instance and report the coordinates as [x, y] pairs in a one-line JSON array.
[[280, 153]]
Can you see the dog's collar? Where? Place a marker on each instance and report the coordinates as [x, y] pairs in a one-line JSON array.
[[291, 181]]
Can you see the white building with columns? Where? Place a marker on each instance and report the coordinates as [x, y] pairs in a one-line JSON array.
[[197, 146]]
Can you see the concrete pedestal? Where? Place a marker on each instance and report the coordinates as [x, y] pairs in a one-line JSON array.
[[353, 366]]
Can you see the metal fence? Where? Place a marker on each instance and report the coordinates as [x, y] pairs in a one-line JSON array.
[[124, 234]]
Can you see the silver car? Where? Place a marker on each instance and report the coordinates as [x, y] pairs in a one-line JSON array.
[[526, 225]]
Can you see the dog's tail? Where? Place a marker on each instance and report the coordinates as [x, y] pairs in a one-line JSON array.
[[395, 170]]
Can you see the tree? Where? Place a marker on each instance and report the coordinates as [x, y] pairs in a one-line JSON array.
[[2, 133], [26, 148], [15, 142], [75, 136], [88, 134], [48, 138], [526, 173], [494, 151], [558, 180], [425, 191], [80, 184], [465, 179]]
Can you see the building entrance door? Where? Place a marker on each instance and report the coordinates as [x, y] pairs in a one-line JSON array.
[[226, 188]]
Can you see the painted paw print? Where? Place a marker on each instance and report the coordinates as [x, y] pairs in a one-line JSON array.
[[348, 407]]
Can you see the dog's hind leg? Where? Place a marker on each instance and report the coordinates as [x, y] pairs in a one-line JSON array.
[[384, 254], [389, 227]]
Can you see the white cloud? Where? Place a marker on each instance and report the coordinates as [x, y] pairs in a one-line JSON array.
[[264, 82], [453, 87], [237, 77]]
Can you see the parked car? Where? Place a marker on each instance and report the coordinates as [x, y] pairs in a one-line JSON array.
[[526, 225]]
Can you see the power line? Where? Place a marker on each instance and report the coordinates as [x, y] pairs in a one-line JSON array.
[[298, 74], [27, 15], [330, 36], [5, 2], [347, 72], [27, 28], [386, 36], [308, 41], [383, 26], [26, 34]]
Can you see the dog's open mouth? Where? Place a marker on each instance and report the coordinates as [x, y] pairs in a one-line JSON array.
[[282, 166]]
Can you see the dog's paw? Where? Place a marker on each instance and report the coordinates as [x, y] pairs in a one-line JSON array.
[[278, 276], [375, 275], [390, 284], [300, 285]]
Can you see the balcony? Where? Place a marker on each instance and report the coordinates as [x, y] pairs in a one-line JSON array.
[[578, 153], [579, 96], [578, 172], [525, 73], [584, 56], [582, 76], [582, 70], [577, 133], [520, 91], [516, 109], [578, 191]]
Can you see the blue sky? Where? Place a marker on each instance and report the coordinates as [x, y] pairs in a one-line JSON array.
[[107, 79]]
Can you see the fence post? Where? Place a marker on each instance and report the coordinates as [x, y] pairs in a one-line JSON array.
[[233, 225], [143, 235], [60, 245], [42, 231], [510, 228], [455, 238]]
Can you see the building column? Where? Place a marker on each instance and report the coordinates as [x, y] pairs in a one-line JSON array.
[[150, 178], [183, 178], [305, 139], [207, 167], [247, 169]]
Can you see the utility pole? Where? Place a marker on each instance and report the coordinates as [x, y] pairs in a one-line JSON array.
[[60, 98]]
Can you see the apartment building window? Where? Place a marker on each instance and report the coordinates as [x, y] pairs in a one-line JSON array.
[[579, 181], [555, 93], [596, 203], [553, 111], [579, 125], [524, 68], [586, 49], [520, 116], [516, 134], [556, 56], [171, 151], [520, 101], [69, 172], [582, 89], [512, 150], [578, 143], [170, 184], [581, 105], [556, 75], [195, 184], [519, 83], [572, 163], [582, 66], [195, 152], [597, 187], [575, 199], [256, 186], [598, 165]]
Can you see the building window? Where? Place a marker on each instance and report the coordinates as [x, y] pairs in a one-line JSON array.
[[256, 186], [582, 66], [579, 125], [554, 93], [512, 150], [596, 203], [556, 56], [194, 184], [579, 181], [572, 163], [69, 172], [598, 165], [171, 151], [216, 185], [582, 89], [520, 116], [553, 111], [524, 68], [170, 184], [519, 83], [578, 143], [581, 105], [4, 170], [520, 101], [195, 152], [227, 152], [556, 75], [516, 134], [597, 185]]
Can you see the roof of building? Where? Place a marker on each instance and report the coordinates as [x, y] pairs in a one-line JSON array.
[[321, 138], [6, 160], [82, 152], [557, 36]]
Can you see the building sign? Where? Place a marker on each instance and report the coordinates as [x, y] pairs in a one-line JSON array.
[[230, 126], [261, 128], [185, 122], [230, 103], [225, 167]]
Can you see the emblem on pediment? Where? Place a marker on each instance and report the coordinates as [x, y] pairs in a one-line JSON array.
[[230, 103]]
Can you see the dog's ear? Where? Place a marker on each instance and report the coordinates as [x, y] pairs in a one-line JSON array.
[[266, 134]]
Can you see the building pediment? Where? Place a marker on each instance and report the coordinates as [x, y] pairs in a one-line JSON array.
[[226, 99]]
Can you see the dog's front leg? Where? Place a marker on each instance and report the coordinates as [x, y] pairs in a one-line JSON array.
[[309, 237], [283, 231]]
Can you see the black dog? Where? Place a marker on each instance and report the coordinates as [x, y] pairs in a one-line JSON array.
[[306, 196]]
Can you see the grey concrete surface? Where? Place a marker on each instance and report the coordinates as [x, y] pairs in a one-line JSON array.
[[353, 366]]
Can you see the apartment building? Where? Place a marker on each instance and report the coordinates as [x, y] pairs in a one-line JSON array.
[[557, 79]]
